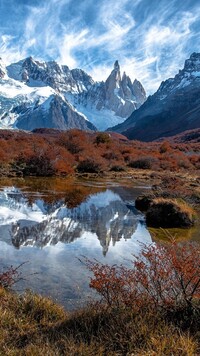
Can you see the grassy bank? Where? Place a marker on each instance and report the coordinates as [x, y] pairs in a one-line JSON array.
[[32, 325], [159, 316]]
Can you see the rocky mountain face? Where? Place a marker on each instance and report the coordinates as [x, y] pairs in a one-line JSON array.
[[174, 108], [61, 78], [2, 69], [55, 112], [37, 94], [113, 99]]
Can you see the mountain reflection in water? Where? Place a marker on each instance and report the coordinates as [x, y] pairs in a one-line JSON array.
[[38, 224], [52, 233]]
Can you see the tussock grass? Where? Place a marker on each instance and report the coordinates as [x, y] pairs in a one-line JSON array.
[[181, 204], [170, 212], [33, 325]]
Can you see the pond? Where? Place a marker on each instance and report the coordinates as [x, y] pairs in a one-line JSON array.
[[53, 223]]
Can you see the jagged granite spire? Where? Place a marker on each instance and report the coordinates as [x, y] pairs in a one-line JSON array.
[[174, 108], [123, 96], [116, 66]]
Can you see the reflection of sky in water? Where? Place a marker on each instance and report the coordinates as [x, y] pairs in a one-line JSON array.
[[105, 227]]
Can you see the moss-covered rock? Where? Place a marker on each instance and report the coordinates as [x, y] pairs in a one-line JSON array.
[[169, 213]]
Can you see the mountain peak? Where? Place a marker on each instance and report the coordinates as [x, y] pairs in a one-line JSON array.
[[116, 66], [104, 103], [174, 108], [195, 55], [193, 63]]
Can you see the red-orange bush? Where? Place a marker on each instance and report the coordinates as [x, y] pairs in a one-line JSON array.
[[9, 277], [161, 277], [21, 152]]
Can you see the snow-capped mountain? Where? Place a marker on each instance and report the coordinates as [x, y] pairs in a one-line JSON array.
[[111, 101], [37, 94], [174, 108], [59, 77]]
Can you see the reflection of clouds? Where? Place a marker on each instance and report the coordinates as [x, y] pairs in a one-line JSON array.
[[60, 274], [102, 223], [104, 214], [150, 38]]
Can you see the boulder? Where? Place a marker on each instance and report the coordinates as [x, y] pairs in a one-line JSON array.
[[169, 213]]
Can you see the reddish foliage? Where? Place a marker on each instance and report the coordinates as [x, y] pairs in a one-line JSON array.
[[162, 276], [22, 153], [11, 276]]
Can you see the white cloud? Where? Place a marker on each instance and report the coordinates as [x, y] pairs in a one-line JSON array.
[[151, 45], [68, 43]]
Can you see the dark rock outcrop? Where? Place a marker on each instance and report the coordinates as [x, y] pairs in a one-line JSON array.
[[55, 113], [168, 213], [143, 202]]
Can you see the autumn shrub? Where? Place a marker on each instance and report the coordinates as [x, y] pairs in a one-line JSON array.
[[89, 165], [34, 325], [10, 276], [21, 153], [164, 147], [162, 277], [143, 163], [110, 155], [171, 183], [102, 137], [117, 168], [73, 140], [195, 161], [37, 165], [149, 308]]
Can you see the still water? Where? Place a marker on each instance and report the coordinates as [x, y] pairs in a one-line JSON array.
[[51, 224]]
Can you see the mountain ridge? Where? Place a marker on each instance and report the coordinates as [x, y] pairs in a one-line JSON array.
[[26, 88], [174, 108]]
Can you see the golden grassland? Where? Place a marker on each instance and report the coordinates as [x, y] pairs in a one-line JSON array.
[[34, 325]]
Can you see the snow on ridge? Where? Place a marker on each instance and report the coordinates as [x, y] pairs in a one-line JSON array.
[[11, 88]]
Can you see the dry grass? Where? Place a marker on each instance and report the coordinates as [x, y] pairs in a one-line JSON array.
[[170, 213], [182, 205], [33, 325]]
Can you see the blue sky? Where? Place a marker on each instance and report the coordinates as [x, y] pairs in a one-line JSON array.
[[150, 38]]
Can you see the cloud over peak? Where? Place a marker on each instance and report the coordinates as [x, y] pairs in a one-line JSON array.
[[150, 39]]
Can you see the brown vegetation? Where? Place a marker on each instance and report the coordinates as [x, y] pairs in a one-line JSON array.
[[150, 309], [50, 152]]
